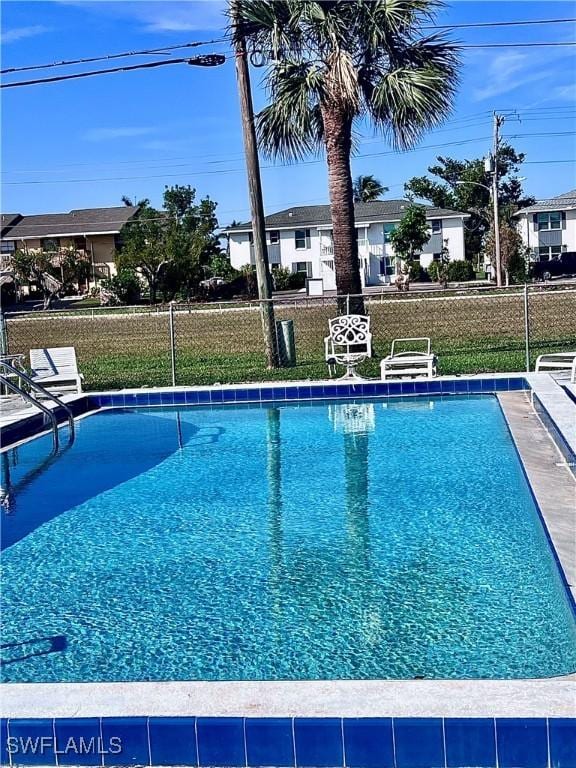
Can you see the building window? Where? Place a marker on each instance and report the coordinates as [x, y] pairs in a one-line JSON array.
[[549, 252], [304, 266], [274, 237], [386, 266], [50, 244], [388, 229], [549, 220], [250, 238], [301, 239], [436, 226], [7, 246], [436, 256]]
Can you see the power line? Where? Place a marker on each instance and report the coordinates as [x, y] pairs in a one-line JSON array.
[[108, 56], [498, 24], [517, 45], [280, 165], [154, 162], [209, 60], [195, 44]]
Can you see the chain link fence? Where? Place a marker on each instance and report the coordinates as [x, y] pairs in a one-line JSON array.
[[209, 343]]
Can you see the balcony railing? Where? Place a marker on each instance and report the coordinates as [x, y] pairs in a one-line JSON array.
[[273, 253], [365, 248]]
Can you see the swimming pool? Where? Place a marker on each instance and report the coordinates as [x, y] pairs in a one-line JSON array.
[[344, 540]]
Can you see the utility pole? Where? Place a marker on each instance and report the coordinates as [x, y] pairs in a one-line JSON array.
[[497, 122], [255, 192]]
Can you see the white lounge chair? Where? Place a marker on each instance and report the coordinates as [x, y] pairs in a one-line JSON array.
[[56, 368], [349, 343], [555, 361], [410, 362]]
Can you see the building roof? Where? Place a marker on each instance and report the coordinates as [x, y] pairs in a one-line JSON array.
[[319, 215], [563, 202], [82, 221], [8, 220]]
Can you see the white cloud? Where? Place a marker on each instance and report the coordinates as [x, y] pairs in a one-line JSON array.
[[502, 73], [507, 72], [565, 92], [21, 33], [161, 15], [109, 134]]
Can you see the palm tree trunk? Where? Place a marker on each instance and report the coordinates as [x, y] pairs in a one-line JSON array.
[[338, 141]]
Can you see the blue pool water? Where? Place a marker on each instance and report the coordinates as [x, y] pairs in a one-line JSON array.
[[377, 539]]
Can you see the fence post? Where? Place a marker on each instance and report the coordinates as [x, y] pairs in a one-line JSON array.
[[347, 303], [526, 328], [172, 345]]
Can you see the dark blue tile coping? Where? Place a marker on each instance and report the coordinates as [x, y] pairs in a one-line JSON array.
[[522, 743], [318, 742], [419, 742], [4, 756], [562, 737], [268, 393], [173, 741], [78, 741], [470, 742], [125, 741], [221, 741], [236, 742], [368, 742], [269, 742], [31, 742]]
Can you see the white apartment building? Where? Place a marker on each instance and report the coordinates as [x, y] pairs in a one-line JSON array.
[[300, 239], [548, 228]]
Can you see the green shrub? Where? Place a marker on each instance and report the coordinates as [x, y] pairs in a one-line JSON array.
[[281, 278], [460, 271], [417, 273], [433, 271], [125, 286]]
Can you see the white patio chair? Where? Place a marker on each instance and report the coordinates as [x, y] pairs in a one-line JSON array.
[[573, 373], [349, 343], [56, 368], [410, 362], [555, 361]]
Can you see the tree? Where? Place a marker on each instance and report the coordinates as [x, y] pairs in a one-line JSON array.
[[513, 252], [169, 247], [472, 197], [410, 235], [367, 188], [332, 64], [37, 267]]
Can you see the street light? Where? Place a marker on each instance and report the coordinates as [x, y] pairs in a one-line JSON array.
[[493, 190], [496, 228]]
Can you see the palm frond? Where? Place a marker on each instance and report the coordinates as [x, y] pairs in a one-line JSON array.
[[290, 127], [407, 102]]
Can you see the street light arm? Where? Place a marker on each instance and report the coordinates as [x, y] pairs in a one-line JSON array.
[[475, 183]]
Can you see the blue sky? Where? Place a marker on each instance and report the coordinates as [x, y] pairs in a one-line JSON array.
[[92, 140]]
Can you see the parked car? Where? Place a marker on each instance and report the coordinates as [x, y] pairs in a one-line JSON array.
[[564, 266], [212, 282]]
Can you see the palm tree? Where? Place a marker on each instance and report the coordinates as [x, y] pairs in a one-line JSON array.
[[367, 188], [332, 63]]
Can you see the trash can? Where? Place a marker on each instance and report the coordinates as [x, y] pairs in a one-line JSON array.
[[286, 343]]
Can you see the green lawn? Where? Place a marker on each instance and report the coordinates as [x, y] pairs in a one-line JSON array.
[[469, 335]]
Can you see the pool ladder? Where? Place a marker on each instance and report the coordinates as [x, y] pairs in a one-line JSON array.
[[34, 385]]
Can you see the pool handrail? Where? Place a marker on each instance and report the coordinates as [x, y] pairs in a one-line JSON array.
[[16, 372]]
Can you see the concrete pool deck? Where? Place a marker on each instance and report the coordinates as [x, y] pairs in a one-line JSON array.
[[554, 487]]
